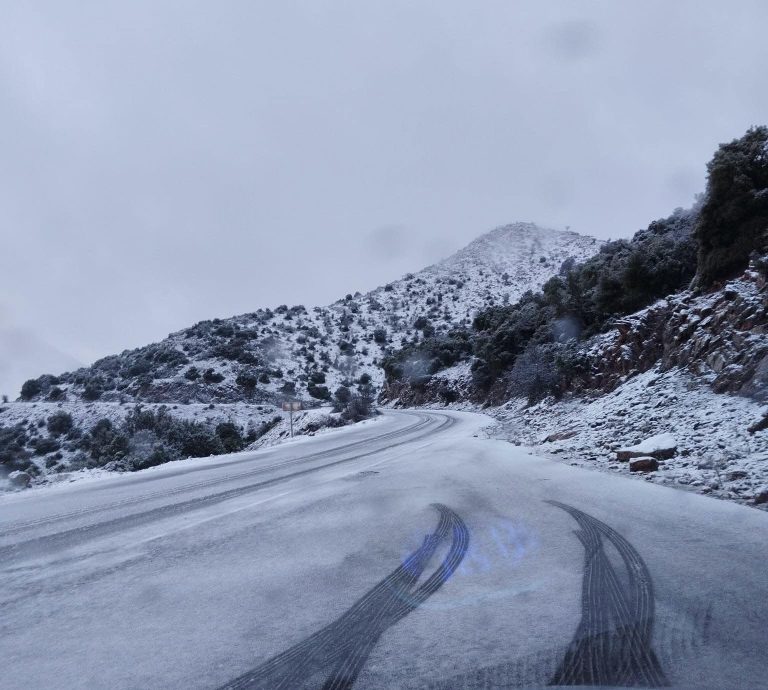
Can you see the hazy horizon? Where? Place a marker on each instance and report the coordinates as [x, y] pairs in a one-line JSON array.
[[170, 162]]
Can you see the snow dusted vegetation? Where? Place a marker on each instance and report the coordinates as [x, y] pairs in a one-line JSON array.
[[674, 393], [309, 352], [64, 454]]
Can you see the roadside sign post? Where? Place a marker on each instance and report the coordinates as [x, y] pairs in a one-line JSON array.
[[291, 406]]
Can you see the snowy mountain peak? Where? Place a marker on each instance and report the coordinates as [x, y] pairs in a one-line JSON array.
[[518, 243], [268, 354]]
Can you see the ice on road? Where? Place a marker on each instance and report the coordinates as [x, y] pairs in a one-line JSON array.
[[411, 552]]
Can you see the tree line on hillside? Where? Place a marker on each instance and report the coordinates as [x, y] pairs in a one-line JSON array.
[[532, 345]]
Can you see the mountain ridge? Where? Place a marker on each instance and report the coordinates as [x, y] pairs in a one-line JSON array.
[[321, 348]]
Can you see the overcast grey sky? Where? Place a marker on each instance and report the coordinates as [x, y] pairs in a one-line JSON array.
[[169, 161]]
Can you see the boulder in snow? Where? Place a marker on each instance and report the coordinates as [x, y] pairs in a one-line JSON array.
[[760, 425], [19, 479], [661, 447], [646, 464], [560, 436]]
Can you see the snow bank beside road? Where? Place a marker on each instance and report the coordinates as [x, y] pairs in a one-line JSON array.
[[715, 452]]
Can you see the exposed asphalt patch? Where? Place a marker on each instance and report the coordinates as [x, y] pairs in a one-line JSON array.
[[333, 657]]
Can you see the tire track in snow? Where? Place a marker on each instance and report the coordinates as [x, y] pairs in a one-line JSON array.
[[333, 657], [612, 643]]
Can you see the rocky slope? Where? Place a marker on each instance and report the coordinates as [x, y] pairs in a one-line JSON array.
[[720, 336], [716, 449]]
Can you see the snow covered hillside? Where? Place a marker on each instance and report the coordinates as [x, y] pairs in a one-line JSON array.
[[309, 352]]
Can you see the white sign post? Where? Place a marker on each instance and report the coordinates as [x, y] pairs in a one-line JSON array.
[[291, 406]]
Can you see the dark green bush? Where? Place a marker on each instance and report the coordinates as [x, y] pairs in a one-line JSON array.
[[192, 373], [235, 350], [360, 405], [247, 380], [288, 388], [59, 423], [93, 389], [224, 331], [30, 389], [195, 441], [733, 221], [212, 376], [13, 452], [230, 436], [319, 392], [44, 445], [417, 362], [342, 395], [56, 394], [542, 371], [137, 368], [159, 455], [105, 443]]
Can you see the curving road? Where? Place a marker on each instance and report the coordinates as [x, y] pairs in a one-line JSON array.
[[405, 552]]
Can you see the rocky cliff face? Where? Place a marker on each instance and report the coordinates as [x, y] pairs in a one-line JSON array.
[[720, 336], [449, 386]]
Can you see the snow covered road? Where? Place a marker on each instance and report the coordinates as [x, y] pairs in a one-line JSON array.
[[406, 552]]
